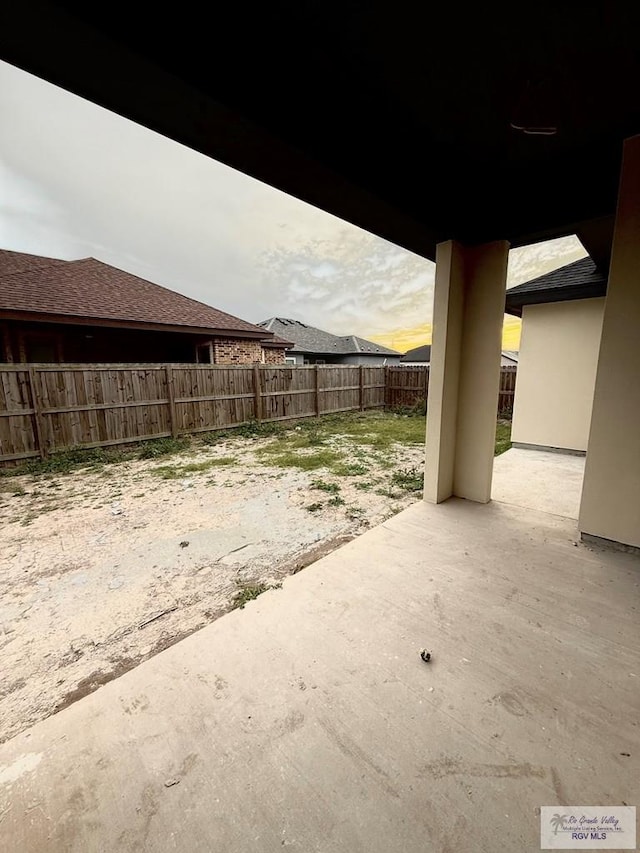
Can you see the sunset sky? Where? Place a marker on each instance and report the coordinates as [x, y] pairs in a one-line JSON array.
[[79, 181]]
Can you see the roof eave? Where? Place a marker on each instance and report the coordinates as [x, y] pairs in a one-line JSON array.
[[73, 320], [516, 302]]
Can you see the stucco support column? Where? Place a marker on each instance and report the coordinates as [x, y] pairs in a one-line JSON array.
[[464, 377], [610, 507]]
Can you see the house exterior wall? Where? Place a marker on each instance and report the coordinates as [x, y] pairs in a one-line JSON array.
[[272, 355], [556, 373], [236, 351], [610, 506], [23, 341]]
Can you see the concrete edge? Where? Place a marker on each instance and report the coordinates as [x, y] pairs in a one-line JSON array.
[[609, 544], [565, 450]]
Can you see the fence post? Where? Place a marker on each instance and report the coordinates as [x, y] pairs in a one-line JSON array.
[[426, 384], [257, 392], [317, 387], [386, 387], [172, 402], [37, 413], [361, 387]]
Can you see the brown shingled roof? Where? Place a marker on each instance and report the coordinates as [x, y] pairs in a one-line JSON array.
[[91, 289], [13, 262]]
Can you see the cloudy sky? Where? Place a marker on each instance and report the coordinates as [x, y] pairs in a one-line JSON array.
[[79, 181]]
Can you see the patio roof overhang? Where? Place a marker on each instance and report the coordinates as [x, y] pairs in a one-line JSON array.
[[420, 123]]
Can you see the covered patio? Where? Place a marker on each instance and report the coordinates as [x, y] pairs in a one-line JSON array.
[[308, 721]]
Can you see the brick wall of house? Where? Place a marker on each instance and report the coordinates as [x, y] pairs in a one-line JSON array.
[[236, 351], [273, 356]]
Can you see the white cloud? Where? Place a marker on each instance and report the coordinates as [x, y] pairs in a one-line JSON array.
[[79, 180]]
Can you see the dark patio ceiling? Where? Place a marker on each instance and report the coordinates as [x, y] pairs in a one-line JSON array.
[[395, 116]]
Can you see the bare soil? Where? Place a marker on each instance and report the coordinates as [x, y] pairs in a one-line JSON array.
[[102, 568]]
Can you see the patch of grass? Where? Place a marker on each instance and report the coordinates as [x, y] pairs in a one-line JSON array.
[[364, 486], [175, 472], [168, 472], [194, 467], [330, 488], [503, 437], [409, 479], [303, 461], [382, 429], [315, 507], [336, 500], [294, 440], [248, 593]]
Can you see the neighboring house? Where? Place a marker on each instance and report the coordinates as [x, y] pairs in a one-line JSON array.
[[315, 346], [562, 316], [419, 356], [87, 311], [509, 358]]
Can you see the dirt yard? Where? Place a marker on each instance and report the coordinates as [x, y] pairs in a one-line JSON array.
[[108, 559]]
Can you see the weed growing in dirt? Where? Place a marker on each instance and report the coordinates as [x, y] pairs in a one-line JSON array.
[[349, 469], [389, 493], [314, 507], [210, 438], [409, 479], [355, 513], [162, 447], [252, 429], [331, 488], [248, 593], [67, 461], [60, 463], [336, 500]]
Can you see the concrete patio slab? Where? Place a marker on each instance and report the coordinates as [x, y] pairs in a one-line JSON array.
[[539, 479], [308, 721]]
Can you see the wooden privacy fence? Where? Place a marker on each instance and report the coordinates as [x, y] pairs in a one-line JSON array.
[[46, 408], [409, 386], [507, 389]]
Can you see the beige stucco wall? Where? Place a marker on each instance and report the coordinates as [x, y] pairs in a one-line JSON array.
[[610, 507], [557, 373]]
